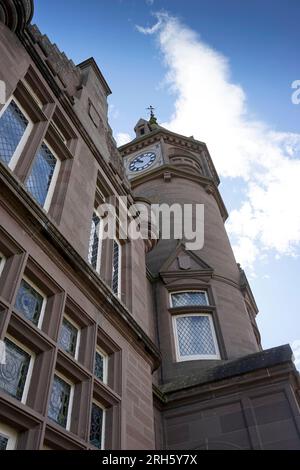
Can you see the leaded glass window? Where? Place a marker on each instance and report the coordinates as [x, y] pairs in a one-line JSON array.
[[196, 337], [68, 337], [94, 245], [192, 298], [100, 366], [29, 302], [3, 442], [97, 422], [14, 372], [13, 125], [59, 401], [41, 175], [116, 267]]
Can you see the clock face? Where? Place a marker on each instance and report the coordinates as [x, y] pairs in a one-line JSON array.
[[142, 161]]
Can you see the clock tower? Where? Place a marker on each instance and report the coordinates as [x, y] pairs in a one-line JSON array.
[[203, 309]]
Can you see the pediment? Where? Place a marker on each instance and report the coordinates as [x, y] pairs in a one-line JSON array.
[[183, 261]]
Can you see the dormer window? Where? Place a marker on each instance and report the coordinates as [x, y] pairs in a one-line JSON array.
[[142, 130]]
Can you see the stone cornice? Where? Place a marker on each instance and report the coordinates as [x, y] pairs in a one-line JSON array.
[[36, 222], [172, 170]]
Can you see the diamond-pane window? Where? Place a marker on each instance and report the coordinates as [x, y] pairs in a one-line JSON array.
[[59, 401], [3, 442], [100, 366], [41, 175], [196, 337], [14, 372], [97, 425], [68, 337], [192, 298], [116, 267], [94, 246], [13, 125], [29, 302]]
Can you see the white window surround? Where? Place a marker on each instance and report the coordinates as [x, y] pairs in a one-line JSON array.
[[180, 358], [30, 368], [41, 317], [119, 266], [51, 188], [97, 403], [11, 434], [2, 262], [71, 398], [187, 291], [105, 363], [14, 159], [78, 334]]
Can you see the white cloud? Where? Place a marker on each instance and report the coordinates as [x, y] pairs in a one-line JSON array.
[[122, 138], [211, 107], [296, 350]]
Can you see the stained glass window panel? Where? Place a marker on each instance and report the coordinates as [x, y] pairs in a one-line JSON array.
[[41, 174], [68, 337], [115, 271], [195, 336], [29, 302], [59, 401], [13, 124], [94, 241], [3, 442], [99, 366], [96, 430], [14, 372], [185, 299]]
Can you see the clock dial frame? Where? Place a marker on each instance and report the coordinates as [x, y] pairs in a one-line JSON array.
[[142, 162]]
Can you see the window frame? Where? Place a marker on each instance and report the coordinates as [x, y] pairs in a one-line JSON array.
[[30, 367], [118, 293], [71, 399], [97, 403], [51, 189], [9, 433], [105, 365], [70, 320], [43, 308], [195, 357], [187, 291], [100, 244], [22, 142]]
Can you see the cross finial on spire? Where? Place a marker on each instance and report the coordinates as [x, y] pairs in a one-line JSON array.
[[151, 109], [152, 119]]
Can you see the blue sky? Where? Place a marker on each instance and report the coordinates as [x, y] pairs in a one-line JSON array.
[[239, 59]]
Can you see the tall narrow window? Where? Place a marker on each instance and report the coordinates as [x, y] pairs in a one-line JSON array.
[[41, 180], [100, 369], [97, 426], [15, 373], [195, 337], [60, 404], [2, 262], [116, 268], [14, 129], [69, 337], [30, 302], [95, 242]]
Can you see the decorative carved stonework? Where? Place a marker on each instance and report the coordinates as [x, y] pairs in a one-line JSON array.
[[16, 14]]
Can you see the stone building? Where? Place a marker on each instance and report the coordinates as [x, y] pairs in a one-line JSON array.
[[118, 343]]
